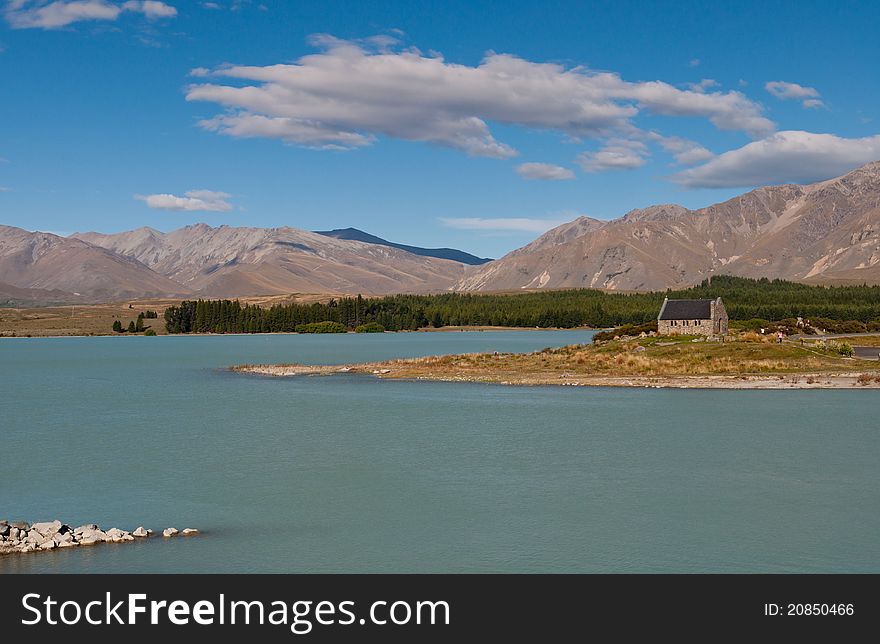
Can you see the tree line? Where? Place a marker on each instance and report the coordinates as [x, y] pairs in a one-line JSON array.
[[136, 326], [744, 299]]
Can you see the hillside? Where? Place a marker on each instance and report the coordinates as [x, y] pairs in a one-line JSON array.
[[453, 254], [53, 268], [236, 261], [823, 232]]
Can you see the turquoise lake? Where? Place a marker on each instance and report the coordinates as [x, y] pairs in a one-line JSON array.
[[352, 474]]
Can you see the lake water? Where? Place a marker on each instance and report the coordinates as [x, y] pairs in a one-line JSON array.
[[352, 474]]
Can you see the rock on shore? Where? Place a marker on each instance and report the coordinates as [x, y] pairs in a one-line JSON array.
[[22, 537]]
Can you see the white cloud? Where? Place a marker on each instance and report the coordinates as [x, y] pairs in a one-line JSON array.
[[546, 171], [502, 224], [615, 154], [352, 92], [784, 157], [703, 85], [694, 62], [684, 151], [784, 91], [194, 200], [5, 189], [43, 14], [210, 5], [152, 9]]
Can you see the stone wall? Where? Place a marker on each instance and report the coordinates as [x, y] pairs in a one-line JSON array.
[[719, 315], [678, 327]]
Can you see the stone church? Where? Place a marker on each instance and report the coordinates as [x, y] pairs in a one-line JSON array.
[[692, 317]]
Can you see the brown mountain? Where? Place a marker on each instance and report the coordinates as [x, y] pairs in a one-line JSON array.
[[824, 232], [21, 297], [53, 268], [230, 261]]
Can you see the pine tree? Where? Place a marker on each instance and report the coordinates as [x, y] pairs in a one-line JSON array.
[[131, 327], [117, 326]]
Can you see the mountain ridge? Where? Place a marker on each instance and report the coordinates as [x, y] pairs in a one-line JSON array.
[[829, 230], [230, 261], [355, 234]]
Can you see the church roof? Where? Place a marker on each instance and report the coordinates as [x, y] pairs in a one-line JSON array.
[[686, 310]]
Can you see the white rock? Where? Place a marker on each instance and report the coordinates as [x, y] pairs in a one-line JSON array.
[[116, 535], [47, 527], [91, 537], [140, 532], [169, 532], [89, 527], [188, 532]]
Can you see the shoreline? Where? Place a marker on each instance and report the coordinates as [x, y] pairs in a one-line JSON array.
[[386, 371], [22, 537], [450, 329]]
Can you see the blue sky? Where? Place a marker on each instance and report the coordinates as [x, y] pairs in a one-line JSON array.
[[468, 124]]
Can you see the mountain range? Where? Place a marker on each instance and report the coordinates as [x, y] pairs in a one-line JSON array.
[[825, 232]]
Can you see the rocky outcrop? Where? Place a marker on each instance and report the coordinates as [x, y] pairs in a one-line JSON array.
[[18, 537]]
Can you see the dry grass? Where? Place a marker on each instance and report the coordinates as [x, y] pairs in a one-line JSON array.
[[91, 319], [97, 319], [863, 341], [636, 362], [646, 357]]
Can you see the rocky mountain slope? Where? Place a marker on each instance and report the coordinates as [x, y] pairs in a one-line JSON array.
[[230, 261], [823, 232], [43, 266]]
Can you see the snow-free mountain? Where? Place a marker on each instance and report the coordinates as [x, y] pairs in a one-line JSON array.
[[827, 232], [203, 261], [824, 232], [236, 261]]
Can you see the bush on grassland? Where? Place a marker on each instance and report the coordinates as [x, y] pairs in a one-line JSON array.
[[370, 327]]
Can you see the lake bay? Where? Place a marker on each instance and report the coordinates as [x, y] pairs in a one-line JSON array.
[[352, 474]]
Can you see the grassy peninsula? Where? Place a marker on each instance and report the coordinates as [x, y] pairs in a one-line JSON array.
[[745, 361]]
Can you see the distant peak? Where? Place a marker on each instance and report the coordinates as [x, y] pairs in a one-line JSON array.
[[660, 211], [354, 234]]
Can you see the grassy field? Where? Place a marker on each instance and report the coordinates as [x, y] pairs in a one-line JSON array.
[[97, 319]]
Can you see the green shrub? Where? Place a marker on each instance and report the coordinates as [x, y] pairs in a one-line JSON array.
[[149, 332], [845, 349], [321, 327], [754, 324], [370, 327]]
